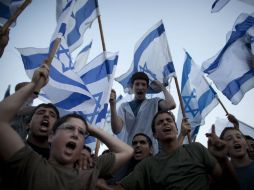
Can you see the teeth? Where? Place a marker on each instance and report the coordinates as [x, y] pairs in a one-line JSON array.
[[45, 123]]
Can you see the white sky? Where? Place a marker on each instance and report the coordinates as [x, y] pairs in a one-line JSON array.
[[188, 24]]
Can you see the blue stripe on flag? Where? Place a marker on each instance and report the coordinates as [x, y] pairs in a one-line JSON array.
[[4, 11], [102, 71], [34, 61], [146, 42], [234, 86], [80, 17], [241, 29], [73, 100], [186, 71], [102, 114], [205, 99]]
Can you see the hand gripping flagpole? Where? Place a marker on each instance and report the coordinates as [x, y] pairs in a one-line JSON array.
[[15, 15], [181, 104], [48, 62]]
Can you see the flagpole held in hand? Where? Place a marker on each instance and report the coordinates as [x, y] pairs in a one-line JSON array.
[[15, 15], [181, 104], [48, 62]]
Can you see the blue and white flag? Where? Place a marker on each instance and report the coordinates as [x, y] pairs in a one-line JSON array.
[[82, 57], [232, 69], [7, 8], [64, 19], [61, 76], [99, 76], [198, 97], [218, 5], [82, 16], [152, 56], [221, 123]]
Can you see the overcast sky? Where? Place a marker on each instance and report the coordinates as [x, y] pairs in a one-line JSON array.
[[189, 25]]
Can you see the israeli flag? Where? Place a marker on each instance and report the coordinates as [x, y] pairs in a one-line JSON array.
[[232, 69], [198, 97], [7, 8], [218, 5], [84, 12], [61, 75], [152, 56], [99, 76], [81, 59], [221, 123]]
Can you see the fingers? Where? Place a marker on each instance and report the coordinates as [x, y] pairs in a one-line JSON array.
[[112, 97], [213, 129]]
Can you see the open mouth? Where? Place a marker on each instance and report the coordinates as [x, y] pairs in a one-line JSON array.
[[237, 146], [45, 123], [71, 145], [167, 130], [138, 151]]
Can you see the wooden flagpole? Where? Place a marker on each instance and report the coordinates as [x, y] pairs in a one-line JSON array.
[[97, 148], [101, 33], [48, 61], [224, 108], [15, 15], [181, 104]]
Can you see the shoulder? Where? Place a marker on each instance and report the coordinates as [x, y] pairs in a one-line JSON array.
[[105, 162]]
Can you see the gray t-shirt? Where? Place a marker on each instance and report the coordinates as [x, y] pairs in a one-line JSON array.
[[26, 170]]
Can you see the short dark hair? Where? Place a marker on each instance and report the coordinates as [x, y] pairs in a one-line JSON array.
[[247, 137], [148, 139], [66, 118], [159, 113], [141, 76], [49, 105], [229, 129]]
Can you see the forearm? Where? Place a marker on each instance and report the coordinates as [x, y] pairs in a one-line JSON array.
[[169, 102], [123, 152], [12, 104], [116, 121]]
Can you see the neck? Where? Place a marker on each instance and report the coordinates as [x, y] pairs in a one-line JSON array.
[[55, 162], [241, 161], [41, 142], [169, 146]]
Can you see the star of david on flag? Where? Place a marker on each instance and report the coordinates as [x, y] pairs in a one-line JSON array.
[[198, 97]]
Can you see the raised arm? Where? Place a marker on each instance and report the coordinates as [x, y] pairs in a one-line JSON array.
[[168, 103], [185, 129], [10, 142], [232, 119], [122, 151], [223, 172], [116, 121]]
